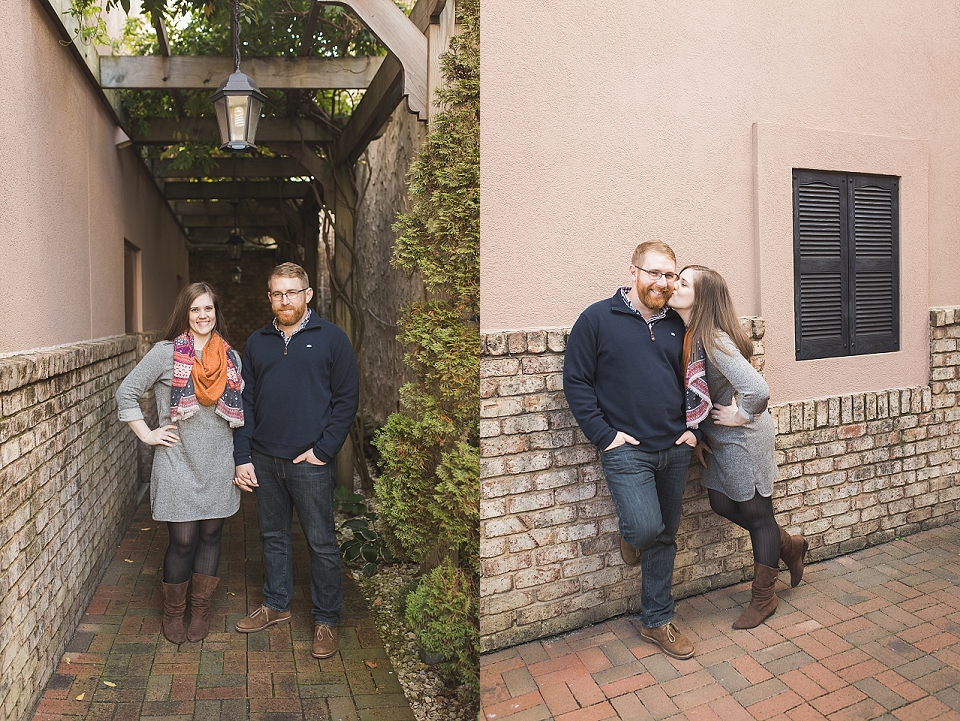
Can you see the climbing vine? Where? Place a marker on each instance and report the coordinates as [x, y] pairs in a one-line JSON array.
[[429, 485]]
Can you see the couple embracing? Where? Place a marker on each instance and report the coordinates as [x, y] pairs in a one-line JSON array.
[[650, 384]]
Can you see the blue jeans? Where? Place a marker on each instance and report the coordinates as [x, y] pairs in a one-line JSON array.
[[647, 489], [284, 486]]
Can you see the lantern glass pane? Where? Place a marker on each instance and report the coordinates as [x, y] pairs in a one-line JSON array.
[[255, 105], [237, 111], [221, 107]]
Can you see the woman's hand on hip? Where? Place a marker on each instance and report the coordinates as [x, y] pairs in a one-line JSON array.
[[163, 436], [728, 415], [310, 457]]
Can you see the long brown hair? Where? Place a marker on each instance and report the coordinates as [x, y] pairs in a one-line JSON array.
[[179, 321], [712, 312]]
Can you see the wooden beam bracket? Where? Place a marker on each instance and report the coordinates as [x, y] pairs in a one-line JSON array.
[[404, 39]]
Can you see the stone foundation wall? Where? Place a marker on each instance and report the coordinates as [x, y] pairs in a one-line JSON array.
[[854, 471], [68, 482]]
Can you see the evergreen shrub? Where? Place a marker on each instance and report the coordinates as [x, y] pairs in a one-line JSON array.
[[429, 484]]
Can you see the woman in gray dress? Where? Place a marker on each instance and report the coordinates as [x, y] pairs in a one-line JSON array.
[[195, 377], [727, 398]]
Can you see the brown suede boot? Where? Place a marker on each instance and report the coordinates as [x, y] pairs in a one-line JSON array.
[[174, 604], [792, 550], [200, 594], [763, 601]]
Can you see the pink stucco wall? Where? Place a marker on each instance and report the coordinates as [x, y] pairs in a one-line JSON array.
[[68, 198], [606, 124]]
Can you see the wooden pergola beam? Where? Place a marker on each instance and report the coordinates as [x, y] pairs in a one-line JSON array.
[[163, 43], [166, 131], [251, 189], [238, 167], [312, 163], [187, 208], [404, 39], [188, 72], [374, 109], [309, 28], [383, 95], [215, 236], [243, 220]]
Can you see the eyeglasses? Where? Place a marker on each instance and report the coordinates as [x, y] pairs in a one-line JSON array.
[[291, 295], [657, 275]]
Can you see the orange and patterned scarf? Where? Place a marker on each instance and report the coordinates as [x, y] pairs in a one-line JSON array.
[[214, 379]]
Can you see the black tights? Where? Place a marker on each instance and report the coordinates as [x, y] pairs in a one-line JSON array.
[[755, 515], [194, 548]]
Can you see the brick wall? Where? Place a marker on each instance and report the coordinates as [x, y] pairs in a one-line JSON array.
[[67, 490], [854, 471], [245, 306]]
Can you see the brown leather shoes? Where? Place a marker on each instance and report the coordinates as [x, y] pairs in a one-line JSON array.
[[629, 554], [262, 618], [669, 638], [324, 641]]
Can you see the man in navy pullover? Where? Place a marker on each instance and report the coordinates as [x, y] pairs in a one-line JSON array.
[[300, 396], [623, 379]]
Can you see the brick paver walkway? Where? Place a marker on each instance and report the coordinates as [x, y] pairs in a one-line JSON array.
[[119, 666], [875, 634]]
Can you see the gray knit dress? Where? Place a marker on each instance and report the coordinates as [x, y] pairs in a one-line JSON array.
[[743, 460], [193, 479]]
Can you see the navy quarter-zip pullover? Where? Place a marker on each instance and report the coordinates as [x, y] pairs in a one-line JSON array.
[[297, 395], [621, 375]]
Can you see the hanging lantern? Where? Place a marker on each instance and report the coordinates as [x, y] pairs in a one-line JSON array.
[[236, 274], [238, 101], [235, 246]]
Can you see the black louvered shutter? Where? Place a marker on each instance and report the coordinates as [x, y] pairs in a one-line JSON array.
[[874, 226], [845, 260], [819, 261]]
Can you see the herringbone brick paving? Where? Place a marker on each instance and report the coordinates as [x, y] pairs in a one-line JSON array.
[[871, 635], [119, 666]]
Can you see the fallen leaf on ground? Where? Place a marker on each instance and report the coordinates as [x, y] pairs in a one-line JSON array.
[[128, 560], [144, 529], [111, 684], [370, 664], [80, 697]]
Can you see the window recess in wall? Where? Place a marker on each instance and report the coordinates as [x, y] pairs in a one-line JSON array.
[[846, 232]]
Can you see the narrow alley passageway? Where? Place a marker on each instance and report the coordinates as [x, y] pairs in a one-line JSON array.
[[119, 666]]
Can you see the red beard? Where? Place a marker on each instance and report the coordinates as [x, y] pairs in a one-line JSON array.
[[289, 317], [653, 302]]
